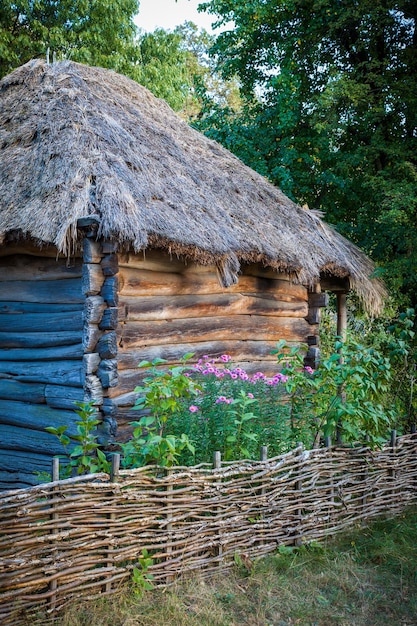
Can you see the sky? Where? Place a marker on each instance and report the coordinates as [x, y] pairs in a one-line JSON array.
[[168, 14]]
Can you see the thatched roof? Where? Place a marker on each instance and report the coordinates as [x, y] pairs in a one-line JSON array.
[[78, 141]]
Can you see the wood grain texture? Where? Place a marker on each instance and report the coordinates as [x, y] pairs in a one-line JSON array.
[[28, 440], [241, 350], [30, 392], [35, 416], [66, 291], [30, 268], [243, 327], [54, 353], [39, 339], [53, 372], [25, 322], [148, 283], [214, 305]]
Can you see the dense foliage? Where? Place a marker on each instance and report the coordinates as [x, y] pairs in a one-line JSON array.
[[330, 114]]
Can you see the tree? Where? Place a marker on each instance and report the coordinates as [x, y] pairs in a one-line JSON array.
[[97, 32], [330, 113]]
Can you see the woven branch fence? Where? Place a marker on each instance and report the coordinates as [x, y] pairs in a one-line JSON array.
[[81, 537]]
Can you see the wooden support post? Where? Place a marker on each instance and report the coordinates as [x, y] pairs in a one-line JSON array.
[[115, 467], [341, 333]]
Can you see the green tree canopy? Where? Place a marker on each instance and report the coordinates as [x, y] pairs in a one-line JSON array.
[[330, 113], [97, 32]]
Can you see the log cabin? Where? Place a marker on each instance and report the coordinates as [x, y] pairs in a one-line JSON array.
[[127, 235]]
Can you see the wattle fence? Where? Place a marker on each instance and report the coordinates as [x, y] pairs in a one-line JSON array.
[[81, 537]]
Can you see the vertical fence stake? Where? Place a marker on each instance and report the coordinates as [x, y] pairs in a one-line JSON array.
[[391, 472], [114, 477], [264, 458], [53, 585], [115, 468], [217, 463], [298, 487], [413, 429]]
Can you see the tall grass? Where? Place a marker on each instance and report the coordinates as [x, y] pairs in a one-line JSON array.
[[366, 578]]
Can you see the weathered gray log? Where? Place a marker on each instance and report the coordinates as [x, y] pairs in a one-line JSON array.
[[56, 353], [92, 252], [110, 265], [53, 372], [107, 373], [93, 389], [35, 416], [91, 335], [110, 290], [63, 397], [91, 363], [242, 350], [38, 268], [107, 346], [110, 319], [39, 339], [318, 300], [264, 328], [41, 322], [28, 440], [47, 291], [214, 305], [15, 390], [11, 307], [92, 279], [146, 283], [94, 307]]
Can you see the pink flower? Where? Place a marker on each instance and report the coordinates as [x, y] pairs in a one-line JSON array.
[[309, 369], [250, 395], [233, 375], [226, 358], [221, 399], [193, 408], [229, 400]]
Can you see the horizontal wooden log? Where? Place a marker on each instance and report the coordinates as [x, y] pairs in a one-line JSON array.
[[214, 305], [159, 261], [15, 390], [30, 268], [243, 327], [91, 335], [107, 345], [36, 416], [241, 350], [331, 283], [39, 339], [26, 247], [46, 291], [109, 265], [110, 319], [92, 252], [28, 440], [63, 397], [54, 353], [53, 372], [93, 389], [92, 279], [313, 316], [110, 290], [318, 300], [36, 307], [146, 283], [129, 379], [94, 308], [41, 322], [91, 363], [15, 461], [108, 373]]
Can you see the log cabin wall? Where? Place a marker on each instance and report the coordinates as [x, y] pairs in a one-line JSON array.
[[168, 308], [41, 354]]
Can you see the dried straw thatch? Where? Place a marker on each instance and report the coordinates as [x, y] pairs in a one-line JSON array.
[[78, 141]]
